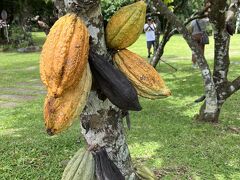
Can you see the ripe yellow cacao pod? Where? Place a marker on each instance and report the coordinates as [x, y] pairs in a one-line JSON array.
[[64, 54], [143, 76], [59, 112], [126, 25], [81, 166]]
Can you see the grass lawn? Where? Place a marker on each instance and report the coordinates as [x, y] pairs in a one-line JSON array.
[[163, 135]]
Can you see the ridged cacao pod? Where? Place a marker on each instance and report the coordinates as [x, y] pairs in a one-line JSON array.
[[144, 173], [64, 54], [126, 25], [143, 76], [113, 83], [81, 166], [59, 112]]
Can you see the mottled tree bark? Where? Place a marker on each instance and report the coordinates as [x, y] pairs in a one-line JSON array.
[[231, 16], [60, 6], [157, 33], [101, 121], [220, 18]]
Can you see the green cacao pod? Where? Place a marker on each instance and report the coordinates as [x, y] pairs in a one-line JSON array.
[[64, 54], [144, 77], [115, 86], [80, 167], [144, 173], [126, 25]]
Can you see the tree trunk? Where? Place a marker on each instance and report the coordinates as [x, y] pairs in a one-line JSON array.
[[101, 121], [60, 6], [206, 116], [221, 60]]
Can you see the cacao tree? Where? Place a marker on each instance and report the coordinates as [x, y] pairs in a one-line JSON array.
[[218, 88], [106, 125], [113, 92]]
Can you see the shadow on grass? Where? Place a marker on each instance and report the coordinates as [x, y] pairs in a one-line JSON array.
[[27, 150], [163, 136], [166, 136]]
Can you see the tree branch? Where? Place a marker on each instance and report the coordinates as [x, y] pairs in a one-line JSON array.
[[160, 48], [179, 6], [186, 22], [231, 16], [234, 86]]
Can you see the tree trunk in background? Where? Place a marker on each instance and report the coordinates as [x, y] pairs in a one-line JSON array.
[[160, 47], [217, 86], [211, 95], [157, 33], [102, 119], [205, 116], [221, 59]]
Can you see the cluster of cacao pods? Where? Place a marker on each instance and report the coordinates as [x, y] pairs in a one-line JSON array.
[[65, 71], [123, 29], [80, 166], [87, 165], [143, 76]]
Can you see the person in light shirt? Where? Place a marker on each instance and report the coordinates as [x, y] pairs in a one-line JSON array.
[[149, 29]]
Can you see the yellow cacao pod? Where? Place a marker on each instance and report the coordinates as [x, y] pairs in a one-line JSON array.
[[126, 25], [81, 166], [64, 55], [143, 76], [59, 112]]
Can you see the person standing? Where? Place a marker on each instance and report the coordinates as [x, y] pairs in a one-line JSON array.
[[198, 29], [149, 29]]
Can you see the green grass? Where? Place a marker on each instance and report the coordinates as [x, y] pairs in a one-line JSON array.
[[163, 135]]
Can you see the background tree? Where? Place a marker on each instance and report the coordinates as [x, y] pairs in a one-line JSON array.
[[22, 17], [19, 11], [218, 88]]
